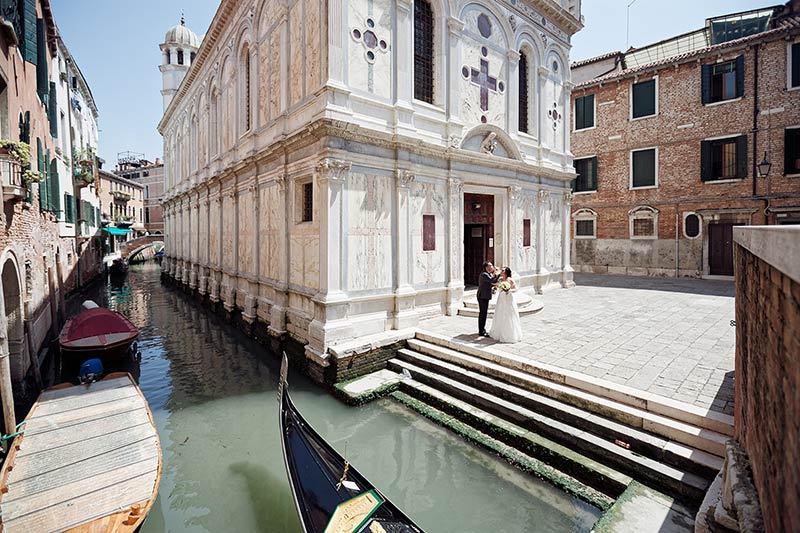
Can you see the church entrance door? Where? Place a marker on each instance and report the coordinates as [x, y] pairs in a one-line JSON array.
[[478, 235]]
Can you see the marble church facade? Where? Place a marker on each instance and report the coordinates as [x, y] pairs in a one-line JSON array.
[[325, 181]]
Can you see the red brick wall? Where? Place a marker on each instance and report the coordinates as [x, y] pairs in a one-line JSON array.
[[679, 185], [767, 386]]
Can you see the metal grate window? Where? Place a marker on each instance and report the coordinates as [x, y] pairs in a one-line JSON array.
[[423, 51], [584, 228], [308, 202], [523, 93]]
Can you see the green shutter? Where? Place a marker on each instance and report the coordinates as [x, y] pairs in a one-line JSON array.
[[579, 113], [28, 38], [740, 76], [42, 168], [52, 111], [55, 186], [69, 215], [97, 217], [42, 79], [706, 82], [705, 161], [741, 156], [593, 186], [644, 98], [796, 65]]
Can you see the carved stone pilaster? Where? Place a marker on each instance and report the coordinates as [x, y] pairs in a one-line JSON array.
[[333, 169], [456, 186], [543, 197], [514, 192], [455, 26], [405, 178], [567, 198], [280, 181]]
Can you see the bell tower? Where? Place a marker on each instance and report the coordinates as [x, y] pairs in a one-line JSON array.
[[177, 54]]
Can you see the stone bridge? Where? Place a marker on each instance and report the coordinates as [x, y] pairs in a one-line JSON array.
[[134, 247]]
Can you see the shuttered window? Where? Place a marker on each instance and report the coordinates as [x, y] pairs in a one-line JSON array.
[[42, 168], [42, 78], [795, 52], [644, 99], [523, 92], [27, 37], [791, 150], [52, 111], [587, 175], [723, 159], [584, 112], [723, 81], [69, 208], [308, 202], [428, 233], [54, 193], [644, 168], [423, 51]]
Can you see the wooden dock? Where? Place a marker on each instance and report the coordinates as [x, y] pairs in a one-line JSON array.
[[89, 460]]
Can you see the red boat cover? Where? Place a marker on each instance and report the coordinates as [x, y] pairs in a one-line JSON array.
[[96, 328]]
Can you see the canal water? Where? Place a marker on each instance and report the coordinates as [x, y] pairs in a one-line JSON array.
[[213, 396]]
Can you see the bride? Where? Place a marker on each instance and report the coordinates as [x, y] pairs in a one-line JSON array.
[[506, 326]]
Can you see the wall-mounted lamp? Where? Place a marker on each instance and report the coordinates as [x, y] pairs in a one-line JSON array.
[[764, 167]]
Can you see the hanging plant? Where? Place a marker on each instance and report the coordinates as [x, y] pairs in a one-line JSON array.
[[18, 150], [31, 176], [84, 175]]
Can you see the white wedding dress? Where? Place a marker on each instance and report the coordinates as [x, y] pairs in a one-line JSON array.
[[506, 326]]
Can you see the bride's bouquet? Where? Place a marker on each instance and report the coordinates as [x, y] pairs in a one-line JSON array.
[[504, 286]]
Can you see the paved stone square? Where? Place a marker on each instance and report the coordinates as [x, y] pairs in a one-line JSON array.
[[671, 337]]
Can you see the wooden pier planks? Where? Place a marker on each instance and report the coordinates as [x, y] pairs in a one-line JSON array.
[[87, 456]]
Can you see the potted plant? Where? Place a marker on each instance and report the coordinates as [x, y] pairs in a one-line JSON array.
[[18, 150], [31, 176]]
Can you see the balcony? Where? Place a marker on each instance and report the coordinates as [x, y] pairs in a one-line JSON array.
[[120, 196], [123, 221], [11, 178]]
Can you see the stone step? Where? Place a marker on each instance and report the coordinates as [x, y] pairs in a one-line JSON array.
[[597, 388], [533, 307], [521, 298], [685, 485], [677, 454], [687, 441], [570, 484]]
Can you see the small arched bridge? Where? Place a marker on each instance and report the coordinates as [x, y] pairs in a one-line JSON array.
[[134, 247]]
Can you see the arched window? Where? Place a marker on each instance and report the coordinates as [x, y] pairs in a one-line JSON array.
[[213, 131], [423, 51], [180, 57], [245, 88], [523, 92]]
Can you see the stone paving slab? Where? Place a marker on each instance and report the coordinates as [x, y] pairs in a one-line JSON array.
[[670, 337]]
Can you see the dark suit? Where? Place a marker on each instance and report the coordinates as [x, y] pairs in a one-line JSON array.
[[485, 282]]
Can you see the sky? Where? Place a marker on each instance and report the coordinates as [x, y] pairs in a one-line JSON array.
[[115, 43]]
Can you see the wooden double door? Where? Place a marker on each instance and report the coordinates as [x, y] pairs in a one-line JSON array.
[[478, 235]]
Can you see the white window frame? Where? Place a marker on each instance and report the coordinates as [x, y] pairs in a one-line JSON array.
[[630, 166], [700, 225], [597, 185], [630, 100], [585, 214], [594, 113], [643, 212], [796, 127], [789, 65]]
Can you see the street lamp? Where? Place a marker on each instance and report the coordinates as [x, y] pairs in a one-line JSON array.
[[764, 166]]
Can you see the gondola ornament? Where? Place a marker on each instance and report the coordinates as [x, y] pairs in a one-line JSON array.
[[330, 495]]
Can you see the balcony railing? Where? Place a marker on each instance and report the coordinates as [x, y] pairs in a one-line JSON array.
[[120, 196], [11, 178]]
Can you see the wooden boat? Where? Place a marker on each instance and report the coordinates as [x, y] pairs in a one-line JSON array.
[[87, 460], [100, 333], [119, 267], [330, 495]]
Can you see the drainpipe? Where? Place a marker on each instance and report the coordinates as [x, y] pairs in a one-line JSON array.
[[677, 241], [755, 119], [6, 395]]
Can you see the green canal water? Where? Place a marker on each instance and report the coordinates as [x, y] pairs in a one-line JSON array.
[[212, 393]]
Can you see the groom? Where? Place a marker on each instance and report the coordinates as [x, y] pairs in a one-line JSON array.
[[487, 279]]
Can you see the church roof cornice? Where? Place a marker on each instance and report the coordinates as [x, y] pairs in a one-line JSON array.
[[550, 9], [208, 46]]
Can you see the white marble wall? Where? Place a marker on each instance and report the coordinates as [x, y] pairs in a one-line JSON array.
[[326, 112]]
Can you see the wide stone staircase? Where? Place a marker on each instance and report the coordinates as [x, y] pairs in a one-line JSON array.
[[597, 434]]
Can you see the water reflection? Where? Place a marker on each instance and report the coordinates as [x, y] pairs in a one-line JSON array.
[[212, 392]]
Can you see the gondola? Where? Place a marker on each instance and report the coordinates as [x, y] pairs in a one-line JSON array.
[[330, 495]]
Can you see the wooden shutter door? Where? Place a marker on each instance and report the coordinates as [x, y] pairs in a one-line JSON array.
[[706, 83], [739, 76], [741, 156], [705, 161]]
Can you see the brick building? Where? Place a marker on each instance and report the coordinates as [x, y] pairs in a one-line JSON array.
[[668, 138], [121, 211], [41, 254], [149, 175]]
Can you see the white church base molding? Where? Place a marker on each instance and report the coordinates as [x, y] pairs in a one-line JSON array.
[[566, 278], [405, 314]]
